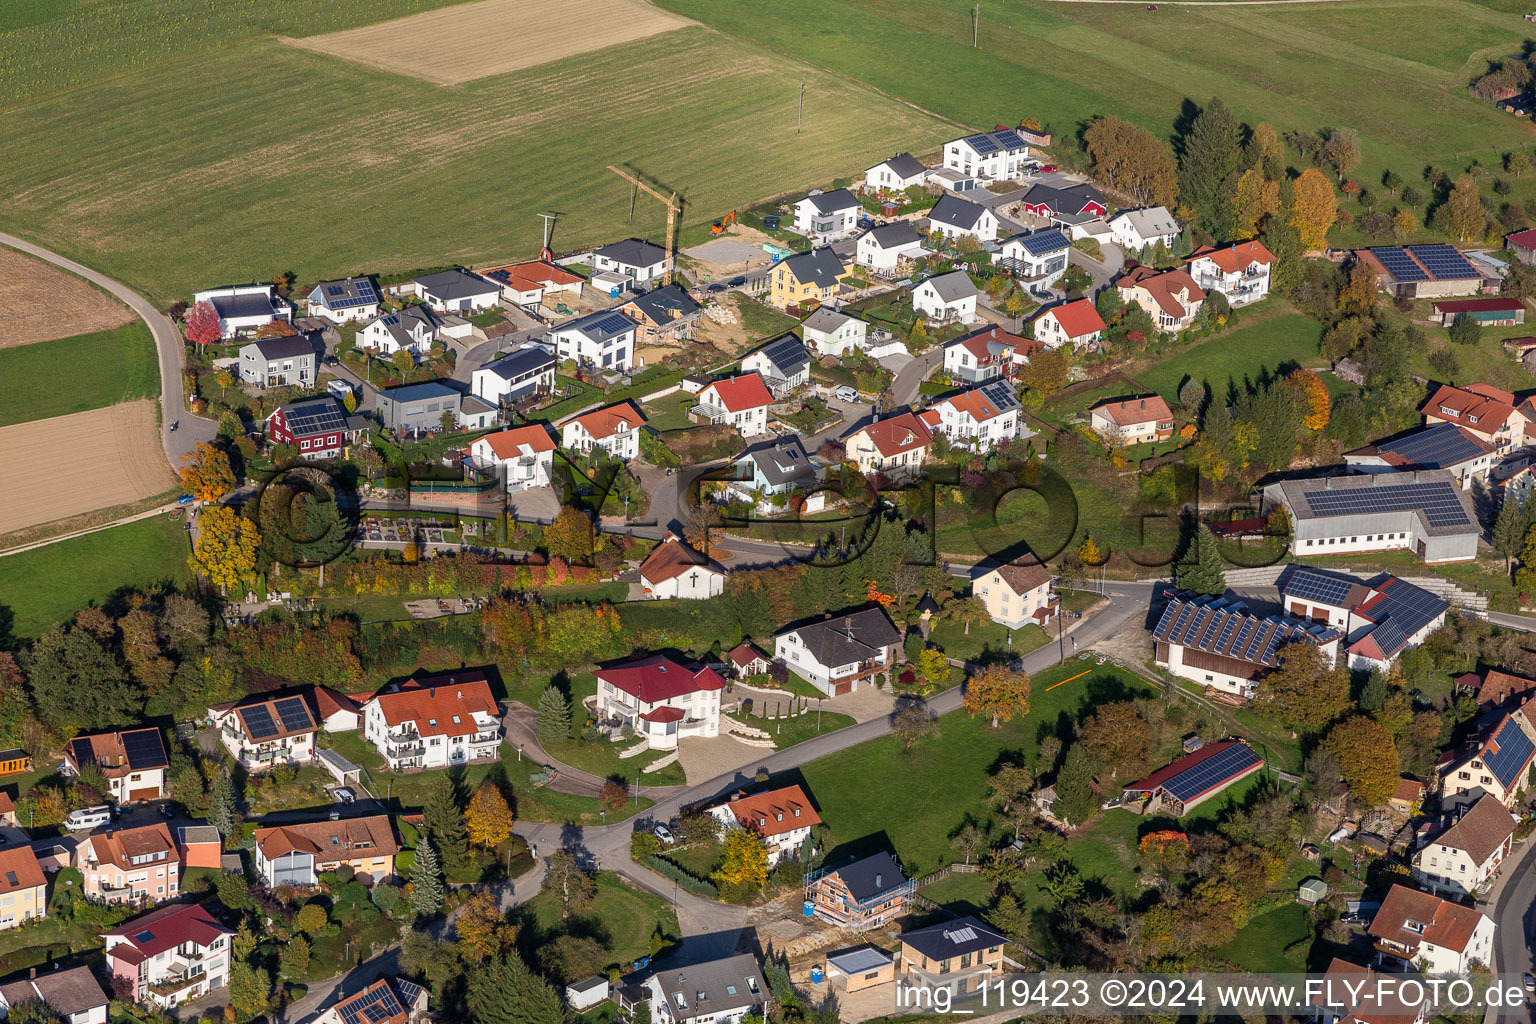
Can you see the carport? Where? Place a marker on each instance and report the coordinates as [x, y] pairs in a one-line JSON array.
[[342, 770]]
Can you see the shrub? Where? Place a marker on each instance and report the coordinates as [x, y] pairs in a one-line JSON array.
[[685, 880]]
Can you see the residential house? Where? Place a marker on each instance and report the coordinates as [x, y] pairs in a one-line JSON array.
[[243, 308], [828, 216], [1132, 420], [782, 818], [264, 730], [834, 654], [784, 363], [831, 332], [613, 428], [979, 418], [948, 298], [199, 846], [528, 285], [286, 362], [1417, 929], [1075, 323], [1239, 271], [23, 888], [72, 993], [1135, 230], [1425, 511], [1447, 446], [604, 340], [896, 174], [1496, 689], [1178, 788], [130, 865], [896, 446], [639, 261], [957, 218], [431, 406], [887, 249], [1422, 271], [1483, 410], [170, 956], [454, 291], [1037, 260], [521, 373], [133, 762], [434, 721], [1407, 797], [1171, 297], [1487, 312], [1497, 767], [806, 278], [524, 457], [1060, 198], [666, 314], [747, 661], [411, 329], [860, 895], [769, 472], [300, 854], [741, 402], [1381, 617], [340, 302], [386, 1000], [1463, 858], [998, 156], [1349, 996], [674, 570], [660, 700], [336, 712], [714, 992], [320, 427], [985, 355], [960, 955], [1016, 593], [1222, 645]]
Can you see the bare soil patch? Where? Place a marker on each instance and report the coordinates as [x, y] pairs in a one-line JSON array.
[[469, 41], [39, 302], [68, 465]]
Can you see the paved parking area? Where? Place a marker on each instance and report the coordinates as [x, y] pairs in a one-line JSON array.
[[725, 252]]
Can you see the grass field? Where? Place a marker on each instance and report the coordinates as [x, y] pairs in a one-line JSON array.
[[49, 584], [620, 916], [101, 369], [1241, 353], [710, 117]]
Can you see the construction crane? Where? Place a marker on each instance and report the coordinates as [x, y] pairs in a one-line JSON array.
[[672, 208]]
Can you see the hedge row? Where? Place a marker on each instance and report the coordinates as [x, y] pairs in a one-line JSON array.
[[686, 880]]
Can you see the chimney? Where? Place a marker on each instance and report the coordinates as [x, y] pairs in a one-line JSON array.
[[1415, 476], [1327, 483], [878, 876]]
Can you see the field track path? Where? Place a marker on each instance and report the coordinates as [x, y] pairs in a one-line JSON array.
[[1201, 3], [168, 344]]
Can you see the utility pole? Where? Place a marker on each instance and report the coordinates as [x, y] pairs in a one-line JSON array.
[[976, 27], [799, 117], [549, 224]]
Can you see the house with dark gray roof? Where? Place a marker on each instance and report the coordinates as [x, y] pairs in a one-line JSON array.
[[279, 362], [411, 329], [831, 332], [510, 378], [454, 291], [860, 894], [948, 298], [243, 308], [668, 312], [771, 468], [715, 992], [601, 340], [896, 174], [1038, 258], [73, 993], [828, 216], [960, 955], [884, 248], [639, 261], [957, 217], [806, 278], [419, 408], [1062, 197], [783, 363], [353, 298], [835, 653]]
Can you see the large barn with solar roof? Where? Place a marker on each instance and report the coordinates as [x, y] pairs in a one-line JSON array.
[[1225, 647], [1425, 511], [1178, 788], [1382, 617]]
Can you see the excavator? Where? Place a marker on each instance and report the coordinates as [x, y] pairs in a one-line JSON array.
[[718, 227]]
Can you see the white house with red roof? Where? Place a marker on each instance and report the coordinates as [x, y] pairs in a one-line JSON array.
[[170, 956], [1381, 617], [982, 356], [660, 700], [1132, 420], [783, 818], [527, 284], [674, 570], [741, 401], [1072, 323], [613, 428], [1414, 928], [386, 1001], [896, 446], [977, 419], [1481, 409], [434, 721], [333, 710], [1170, 297], [523, 456], [747, 660], [1016, 593], [1240, 271]]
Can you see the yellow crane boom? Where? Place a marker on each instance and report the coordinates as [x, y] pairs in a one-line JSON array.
[[672, 208]]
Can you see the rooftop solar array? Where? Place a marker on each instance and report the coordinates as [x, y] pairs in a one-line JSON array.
[[1211, 772], [1444, 262], [1400, 610], [307, 418], [1514, 748], [1399, 264], [294, 714], [1439, 502], [609, 325], [1389, 636], [1042, 242], [1319, 586], [381, 1004], [1001, 395], [1009, 139], [144, 749], [258, 722], [346, 294], [982, 144], [1436, 447]]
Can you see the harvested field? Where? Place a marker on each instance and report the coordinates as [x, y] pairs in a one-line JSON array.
[[493, 37], [39, 302], [115, 457]]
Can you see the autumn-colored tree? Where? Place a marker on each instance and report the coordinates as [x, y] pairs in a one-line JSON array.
[[205, 472], [571, 887], [998, 693], [277, 329], [1132, 159], [613, 795], [1304, 692], [203, 326], [1254, 197], [1314, 208], [1404, 224], [570, 536], [404, 361], [483, 929], [1464, 210], [745, 860], [1265, 142], [1312, 396], [1359, 294], [933, 665], [1089, 552], [311, 918], [1046, 372], [489, 817], [1367, 760], [224, 379], [226, 548], [1118, 737], [1342, 151]]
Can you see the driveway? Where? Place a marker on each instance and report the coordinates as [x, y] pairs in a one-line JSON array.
[[903, 388], [1512, 905], [1103, 270]]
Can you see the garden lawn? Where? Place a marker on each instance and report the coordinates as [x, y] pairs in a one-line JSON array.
[[49, 584], [602, 759], [1242, 353], [962, 893], [670, 413], [98, 370], [621, 917], [1487, 361], [761, 321], [1261, 945], [988, 641], [787, 732], [699, 859]]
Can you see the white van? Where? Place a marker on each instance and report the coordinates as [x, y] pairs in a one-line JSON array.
[[339, 388], [88, 818]]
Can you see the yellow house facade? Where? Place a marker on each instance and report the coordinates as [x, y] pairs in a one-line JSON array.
[[806, 277], [23, 888]]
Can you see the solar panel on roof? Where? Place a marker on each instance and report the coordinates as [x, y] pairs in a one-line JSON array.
[[1445, 262], [144, 749], [614, 323], [1398, 263], [1389, 636], [1311, 585], [258, 722], [144, 936], [294, 714], [1435, 447], [1214, 770], [1514, 748], [1438, 501], [1009, 139], [982, 144]]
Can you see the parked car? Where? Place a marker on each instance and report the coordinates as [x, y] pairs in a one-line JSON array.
[[736, 282], [846, 393], [186, 499], [1530, 983], [88, 817], [664, 834], [343, 795], [168, 810]]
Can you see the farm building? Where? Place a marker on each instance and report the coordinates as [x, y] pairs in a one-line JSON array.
[[1180, 787], [1487, 312], [1382, 617], [1422, 271], [1222, 645], [1523, 245], [1447, 446], [1425, 511]]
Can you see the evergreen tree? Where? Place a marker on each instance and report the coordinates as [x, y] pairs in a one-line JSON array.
[[505, 991], [1074, 787], [222, 813], [554, 718], [1375, 692], [1280, 238], [1525, 575], [1212, 152], [426, 894], [1201, 571], [1509, 530], [445, 823]]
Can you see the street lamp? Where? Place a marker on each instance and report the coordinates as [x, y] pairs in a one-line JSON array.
[[519, 751]]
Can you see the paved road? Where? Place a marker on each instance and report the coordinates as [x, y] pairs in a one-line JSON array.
[[1512, 905], [168, 343], [1102, 270], [1524, 623], [903, 388]]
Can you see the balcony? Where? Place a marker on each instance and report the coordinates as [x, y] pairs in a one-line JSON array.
[[494, 736], [410, 746]]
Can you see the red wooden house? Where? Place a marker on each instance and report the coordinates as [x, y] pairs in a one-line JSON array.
[[318, 427]]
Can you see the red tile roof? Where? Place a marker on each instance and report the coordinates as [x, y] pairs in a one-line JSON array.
[[658, 678], [1234, 258], [118, 846], [1172, 290], [897, 434], [507, 444], [325, 702], [610, 420], [1498, 687], [22, 863], [670, 559], [1477, 305], [975, 404], [1126, 412], [1526, 238], [1490, 405], [1077, 319], [164, 929], [1022, 577], [775, 812], [741, 392], [978, 344], [1444, 924], [664, 714], [327, 841], [526, 277], [743, 654], [432, 703]]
